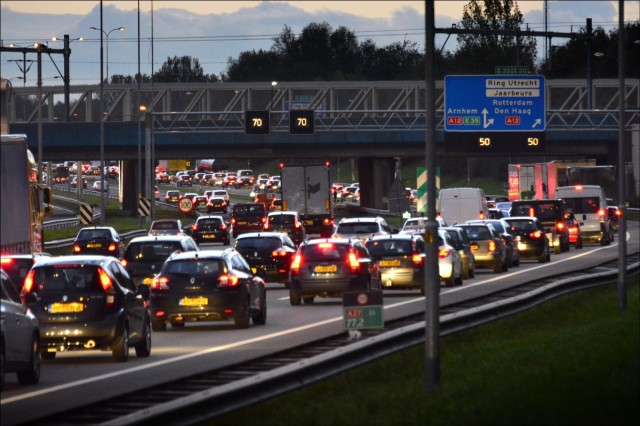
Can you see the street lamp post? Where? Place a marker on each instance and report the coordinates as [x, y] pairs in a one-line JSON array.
[[273, 86], [106, 35]]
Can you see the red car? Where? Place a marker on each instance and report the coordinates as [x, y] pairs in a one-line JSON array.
[[575, 235]]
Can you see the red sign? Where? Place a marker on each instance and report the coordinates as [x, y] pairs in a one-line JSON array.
[[454, 121], [185, 205], [512, 121]]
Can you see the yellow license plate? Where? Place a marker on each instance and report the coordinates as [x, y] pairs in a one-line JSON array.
[[94, 245], [63, 308], [326, 269], [308, 222], [474, 247], [242, 223], [387, 263], [147, 281], [194, 301], [210, 236], [254, 270]]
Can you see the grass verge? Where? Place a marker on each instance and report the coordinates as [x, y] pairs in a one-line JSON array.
[[572, 361]]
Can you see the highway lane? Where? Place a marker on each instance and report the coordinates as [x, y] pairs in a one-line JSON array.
[[79, 377]]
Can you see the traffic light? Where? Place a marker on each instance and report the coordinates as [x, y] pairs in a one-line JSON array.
[[256, 122], [301, 122]]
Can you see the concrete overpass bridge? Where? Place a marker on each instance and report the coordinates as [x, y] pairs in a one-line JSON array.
[[375, 122]]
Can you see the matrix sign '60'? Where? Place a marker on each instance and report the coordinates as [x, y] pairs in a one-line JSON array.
[[301, 122]]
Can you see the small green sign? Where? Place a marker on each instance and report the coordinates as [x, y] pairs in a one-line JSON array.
[[362, 310], [513, 70]]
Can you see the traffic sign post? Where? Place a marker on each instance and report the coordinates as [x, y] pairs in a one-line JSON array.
[[256, 122], [479, 108], [301, 122], [362, 310], [185, 205]]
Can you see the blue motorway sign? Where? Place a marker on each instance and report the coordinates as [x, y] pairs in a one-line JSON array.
[[494, 103]]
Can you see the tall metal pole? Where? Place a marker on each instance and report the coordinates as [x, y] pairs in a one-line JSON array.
[[139, 168], [432, 275], [40, 112], [103, 210], [589, 58], [66, 54], [622, 230]]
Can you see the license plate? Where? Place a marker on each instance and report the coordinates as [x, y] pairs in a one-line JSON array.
[[242, 223], [326, 269], [474, 247], [147, 281], [63, 308], [254, 270], [194, 301], [95, 245], [308, 222], [387, 263], [210, 236]]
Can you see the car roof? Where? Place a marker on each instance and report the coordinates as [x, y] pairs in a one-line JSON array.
[[282, 212], [26, 255], [330, 240], [160, 238], [210, 216], [403, 237], [200, 254], [86, 259], [259, 234], [360, 219]]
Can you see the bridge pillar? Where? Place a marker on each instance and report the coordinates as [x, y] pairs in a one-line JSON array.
[[375, 177], [128, 190]]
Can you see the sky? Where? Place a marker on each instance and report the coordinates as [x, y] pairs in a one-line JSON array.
[[214, 31]]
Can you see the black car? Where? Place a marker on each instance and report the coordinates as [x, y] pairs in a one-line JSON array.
[[269, 254], [211, 229], [329, 267], [103, 240], [16, 266], [144, 256], [88, 302], [207, 285], [184, 180], [20, 336], [217, 205], [531, 238], [287, 222], [248, 217], [553, 215]]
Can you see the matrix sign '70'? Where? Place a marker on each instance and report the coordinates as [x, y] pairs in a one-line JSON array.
[[301, 121], [256, 122]]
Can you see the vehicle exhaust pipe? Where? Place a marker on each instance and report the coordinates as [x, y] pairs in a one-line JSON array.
[[90, 344]]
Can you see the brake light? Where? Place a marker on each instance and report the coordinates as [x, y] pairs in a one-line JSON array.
[[223, 226], [266, 226], [6, 261], [531, 212], [233, 221], [28, 282], [618, 212], [601, 213], [418, 261], [76, 248], [295, 264], [325, 245], [264, 219], [536, 234], [112, 247], [194, 227], [279, 252], [492, 246], [442, 253], [578, 187], [123, 262], [107, 286], [328, 221], [227, 280], [481, 215], [298, 225], [354, 265], [560, 226], [160, 283]]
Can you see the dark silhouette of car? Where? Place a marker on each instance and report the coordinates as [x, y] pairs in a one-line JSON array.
[[488, 247], [269, 254], [16, 266], [530, 237], [552, 214], [217, 205], [100, 240], [287, 222], [211, 229], [19, 337], [94, 295], [248, 217], [207, 285]]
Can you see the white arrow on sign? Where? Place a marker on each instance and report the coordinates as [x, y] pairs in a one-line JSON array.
[[486, 123], [536, 123]]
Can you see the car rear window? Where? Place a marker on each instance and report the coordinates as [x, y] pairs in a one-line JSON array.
[[195, 267], [546, 212], [209, 223], [90, 234], [258, 244], [357, 228], [380, 248], [249, 210], [151, 251], [17, 269], [72, 278], [478, 233], [282, 219], [523, 225], [165, 225], [324, 252], [586, 205]]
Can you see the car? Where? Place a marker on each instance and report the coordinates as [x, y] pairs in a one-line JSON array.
[[575, 231], [198, 177], [264, 176], [347, 192], [330, 267], [88, 302], [588, 204], [184, 180], [19, 336], [362, 228], [211, 229], [552, 214], [449, 260], [229, 180], [495, 213], [503, 228], [16, 266], [103, 240], [505, 207], [166, 227], [97, 186], [274, 183], [207, 178], [207, 285], [400, 259], [530, 237], [217, 205], [288, 222], [200, 202], [248, 217], [74, 183], [488, 247], [260, 185], [277, 205], [144, 256], [463, 245], [156, 191], [218, 179], [191, 195], [172, 196], [414, 225], [163, 178], [244, 181], [613, 214], [221, 193], [269, 254]]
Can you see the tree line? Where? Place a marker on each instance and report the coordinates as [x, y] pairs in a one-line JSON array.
[[322, 53]]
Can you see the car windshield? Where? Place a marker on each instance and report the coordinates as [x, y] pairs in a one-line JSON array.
[[324, 252], [209, 223], [90, 234], [381, 248], [152, 251], [478, 232], [546, 212], [523, 225], [68, 278], [357, 228], [259, 244], [195, 267]]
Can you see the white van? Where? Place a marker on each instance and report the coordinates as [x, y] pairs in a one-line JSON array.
[[589, 206], [457, 205]]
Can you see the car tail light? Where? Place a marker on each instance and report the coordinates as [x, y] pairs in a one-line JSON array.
[[601, 213], [559, 226], [354, 265], [266, 226], [532, 212], [492, 246], [295, 264], [418, 261], [228, 280], [298, 225], [536, 234], [328, 221], [6, 261], [481, 215], [263, 219], [442, 253], [160, 283], [279, 253], [618, 213], [123, 262], [194, 227], [28, 282], [107, 286], [233, 221], [76, 248], [112, 247]]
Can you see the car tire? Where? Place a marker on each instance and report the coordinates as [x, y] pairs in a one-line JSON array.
[[30, 375], [178, 324], [120, 348], [497, 267], [465, 271], [294, 298], [449, 281], [143, 349], [557, 249], [241, 317], [457, 281], [472, 271], [548, 257], [261, 317], [308, 300], [579, 243], [158, 325]]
